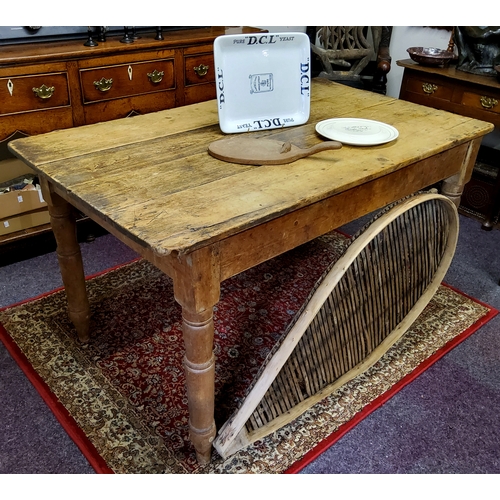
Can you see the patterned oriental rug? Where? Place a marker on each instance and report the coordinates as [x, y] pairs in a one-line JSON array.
[[122, 399]]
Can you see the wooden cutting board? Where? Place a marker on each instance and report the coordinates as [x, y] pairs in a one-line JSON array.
[[260, 151]]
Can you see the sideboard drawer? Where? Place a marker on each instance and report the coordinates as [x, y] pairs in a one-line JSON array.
[[487, 101], [20, 94], [199, 69], [126, 80], [430, 87], [199, 74]]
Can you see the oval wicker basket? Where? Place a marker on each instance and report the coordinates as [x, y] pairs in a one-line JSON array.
[[359, 308]]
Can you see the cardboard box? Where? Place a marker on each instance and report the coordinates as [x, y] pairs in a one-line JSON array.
[[19, 202], [24, 221], [12, 168], [22, 201]]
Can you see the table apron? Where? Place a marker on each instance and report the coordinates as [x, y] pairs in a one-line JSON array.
[[257, 244], [265, 241]]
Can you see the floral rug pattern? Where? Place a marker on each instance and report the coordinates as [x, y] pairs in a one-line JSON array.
[[125, 389]]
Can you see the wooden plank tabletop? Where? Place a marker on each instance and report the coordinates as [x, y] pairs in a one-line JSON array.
[[151, 177]]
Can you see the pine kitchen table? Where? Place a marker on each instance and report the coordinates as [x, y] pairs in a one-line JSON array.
[[149, 181]]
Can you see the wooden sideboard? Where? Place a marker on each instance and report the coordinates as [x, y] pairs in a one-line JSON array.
[[469, 95], [60, 84]]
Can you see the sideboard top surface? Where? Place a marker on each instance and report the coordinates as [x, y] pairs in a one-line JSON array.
[[20, 54], [451, 72]]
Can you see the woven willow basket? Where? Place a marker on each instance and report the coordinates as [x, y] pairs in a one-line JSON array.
[[359, 308]]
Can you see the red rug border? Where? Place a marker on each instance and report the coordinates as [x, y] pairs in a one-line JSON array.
[[99, 465], [67, 422], [62, 415]]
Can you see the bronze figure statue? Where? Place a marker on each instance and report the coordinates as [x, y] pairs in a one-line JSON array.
[[478, 49]]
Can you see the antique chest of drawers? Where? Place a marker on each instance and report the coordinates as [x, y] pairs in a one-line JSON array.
[[471, 95], [452, 90]]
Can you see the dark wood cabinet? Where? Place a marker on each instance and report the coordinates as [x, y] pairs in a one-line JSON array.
[[113, 87], [53, 85], [199, 74], [471, 95]]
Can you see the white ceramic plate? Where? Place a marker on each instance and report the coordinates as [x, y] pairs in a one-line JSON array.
[[263, 80], [357, 131]]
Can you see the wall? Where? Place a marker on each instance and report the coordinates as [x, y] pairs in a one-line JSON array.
[[404, 37]]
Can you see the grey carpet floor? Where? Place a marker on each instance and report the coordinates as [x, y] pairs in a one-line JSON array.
[[446, 421]]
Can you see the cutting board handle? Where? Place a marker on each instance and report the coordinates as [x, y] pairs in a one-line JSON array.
[[251, 151]]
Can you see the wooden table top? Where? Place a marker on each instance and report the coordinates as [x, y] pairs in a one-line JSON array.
[[151, 177]]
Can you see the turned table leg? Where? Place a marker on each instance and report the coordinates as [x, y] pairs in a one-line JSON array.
[[70, 260], [453, 187], [199, 365], [197, 289]]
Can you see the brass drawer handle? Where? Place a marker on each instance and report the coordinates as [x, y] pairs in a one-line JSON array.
[[429, 88], [44, 92], [201, 70], [156, 76], [488, 102], [104, 84]]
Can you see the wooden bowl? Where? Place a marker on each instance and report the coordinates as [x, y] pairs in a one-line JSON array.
[[429, 56], [497, 69]]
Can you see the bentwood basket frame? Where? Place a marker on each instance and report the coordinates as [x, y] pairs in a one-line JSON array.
[[361, 306]]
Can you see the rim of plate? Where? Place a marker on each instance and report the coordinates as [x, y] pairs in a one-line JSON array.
[[357, 139]]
